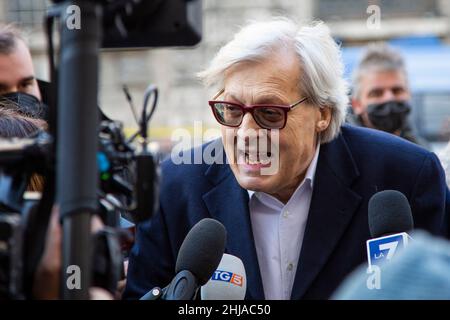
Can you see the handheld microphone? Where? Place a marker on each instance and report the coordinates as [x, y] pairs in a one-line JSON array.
[[390, 217], [228, 282], [198, 257]]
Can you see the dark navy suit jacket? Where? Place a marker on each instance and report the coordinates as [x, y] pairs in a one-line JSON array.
[[350, 169]]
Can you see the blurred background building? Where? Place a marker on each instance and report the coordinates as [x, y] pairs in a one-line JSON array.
[[419, 28]]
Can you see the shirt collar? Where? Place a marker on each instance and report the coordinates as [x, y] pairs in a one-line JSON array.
[[311, 172]]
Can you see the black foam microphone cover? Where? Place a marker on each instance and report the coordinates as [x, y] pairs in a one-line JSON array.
[[389, 212], [202, 249]]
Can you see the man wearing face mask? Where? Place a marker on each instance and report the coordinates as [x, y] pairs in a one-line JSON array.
[[381, 96], [18, 83]]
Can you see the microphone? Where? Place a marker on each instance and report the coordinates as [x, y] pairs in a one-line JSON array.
[[228, 282], [389, 217], [198, 257]]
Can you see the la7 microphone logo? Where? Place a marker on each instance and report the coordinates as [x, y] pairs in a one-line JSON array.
[[384, 248], [390, 247]]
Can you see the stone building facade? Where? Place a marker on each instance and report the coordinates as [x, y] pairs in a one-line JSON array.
[[182, 97]]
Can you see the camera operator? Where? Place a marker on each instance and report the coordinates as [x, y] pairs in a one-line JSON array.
[[46, 285], [14, 124], [21, 114], [18, 82]]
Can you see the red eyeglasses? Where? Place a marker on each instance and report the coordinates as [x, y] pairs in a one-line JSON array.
[[267, 116]]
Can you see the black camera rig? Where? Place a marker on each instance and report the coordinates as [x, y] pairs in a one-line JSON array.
[[88, 165]]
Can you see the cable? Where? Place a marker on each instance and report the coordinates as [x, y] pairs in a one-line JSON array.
[[130, 102], [151, 90]]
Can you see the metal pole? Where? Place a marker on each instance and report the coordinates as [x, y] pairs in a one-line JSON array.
[[77, 177]]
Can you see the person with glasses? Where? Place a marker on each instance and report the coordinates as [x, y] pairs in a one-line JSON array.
[[300, 228]]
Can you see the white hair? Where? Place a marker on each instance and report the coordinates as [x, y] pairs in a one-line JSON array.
[[321, 75]]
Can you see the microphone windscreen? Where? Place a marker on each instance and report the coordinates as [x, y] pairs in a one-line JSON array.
[[202, 249], [229, 281], [389, 212]]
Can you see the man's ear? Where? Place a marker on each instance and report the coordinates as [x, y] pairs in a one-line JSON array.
[[357, 106], [325, 119]]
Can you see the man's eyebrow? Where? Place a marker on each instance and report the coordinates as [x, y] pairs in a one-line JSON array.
[[376, 89], [270, 98], [233, 97], [29, 78], [264, 99]]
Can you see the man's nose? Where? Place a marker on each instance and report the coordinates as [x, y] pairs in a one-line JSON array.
[[248, 124], [249, 132], [388, 95]]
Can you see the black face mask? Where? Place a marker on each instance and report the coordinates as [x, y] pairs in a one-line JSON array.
[[25, 103], [389, 116]]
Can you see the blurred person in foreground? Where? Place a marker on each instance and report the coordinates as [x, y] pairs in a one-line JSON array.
[[418, 272], [294, 186], [381, 95], [14, 124]]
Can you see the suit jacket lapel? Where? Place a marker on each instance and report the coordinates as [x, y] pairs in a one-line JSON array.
[[332, 206], [228, 203]]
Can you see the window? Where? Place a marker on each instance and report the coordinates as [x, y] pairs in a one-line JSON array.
[[431, 114], [356, 9], [26, 13]]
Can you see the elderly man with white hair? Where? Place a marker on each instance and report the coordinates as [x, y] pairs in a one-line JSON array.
[[295, 184]]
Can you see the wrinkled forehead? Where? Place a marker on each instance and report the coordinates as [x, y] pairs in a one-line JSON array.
[[277, 73]]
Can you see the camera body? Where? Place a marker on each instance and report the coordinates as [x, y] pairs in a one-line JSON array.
[[117, 200], [128, 180]]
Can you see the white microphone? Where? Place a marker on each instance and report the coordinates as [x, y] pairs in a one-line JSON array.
[[228, 282]]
